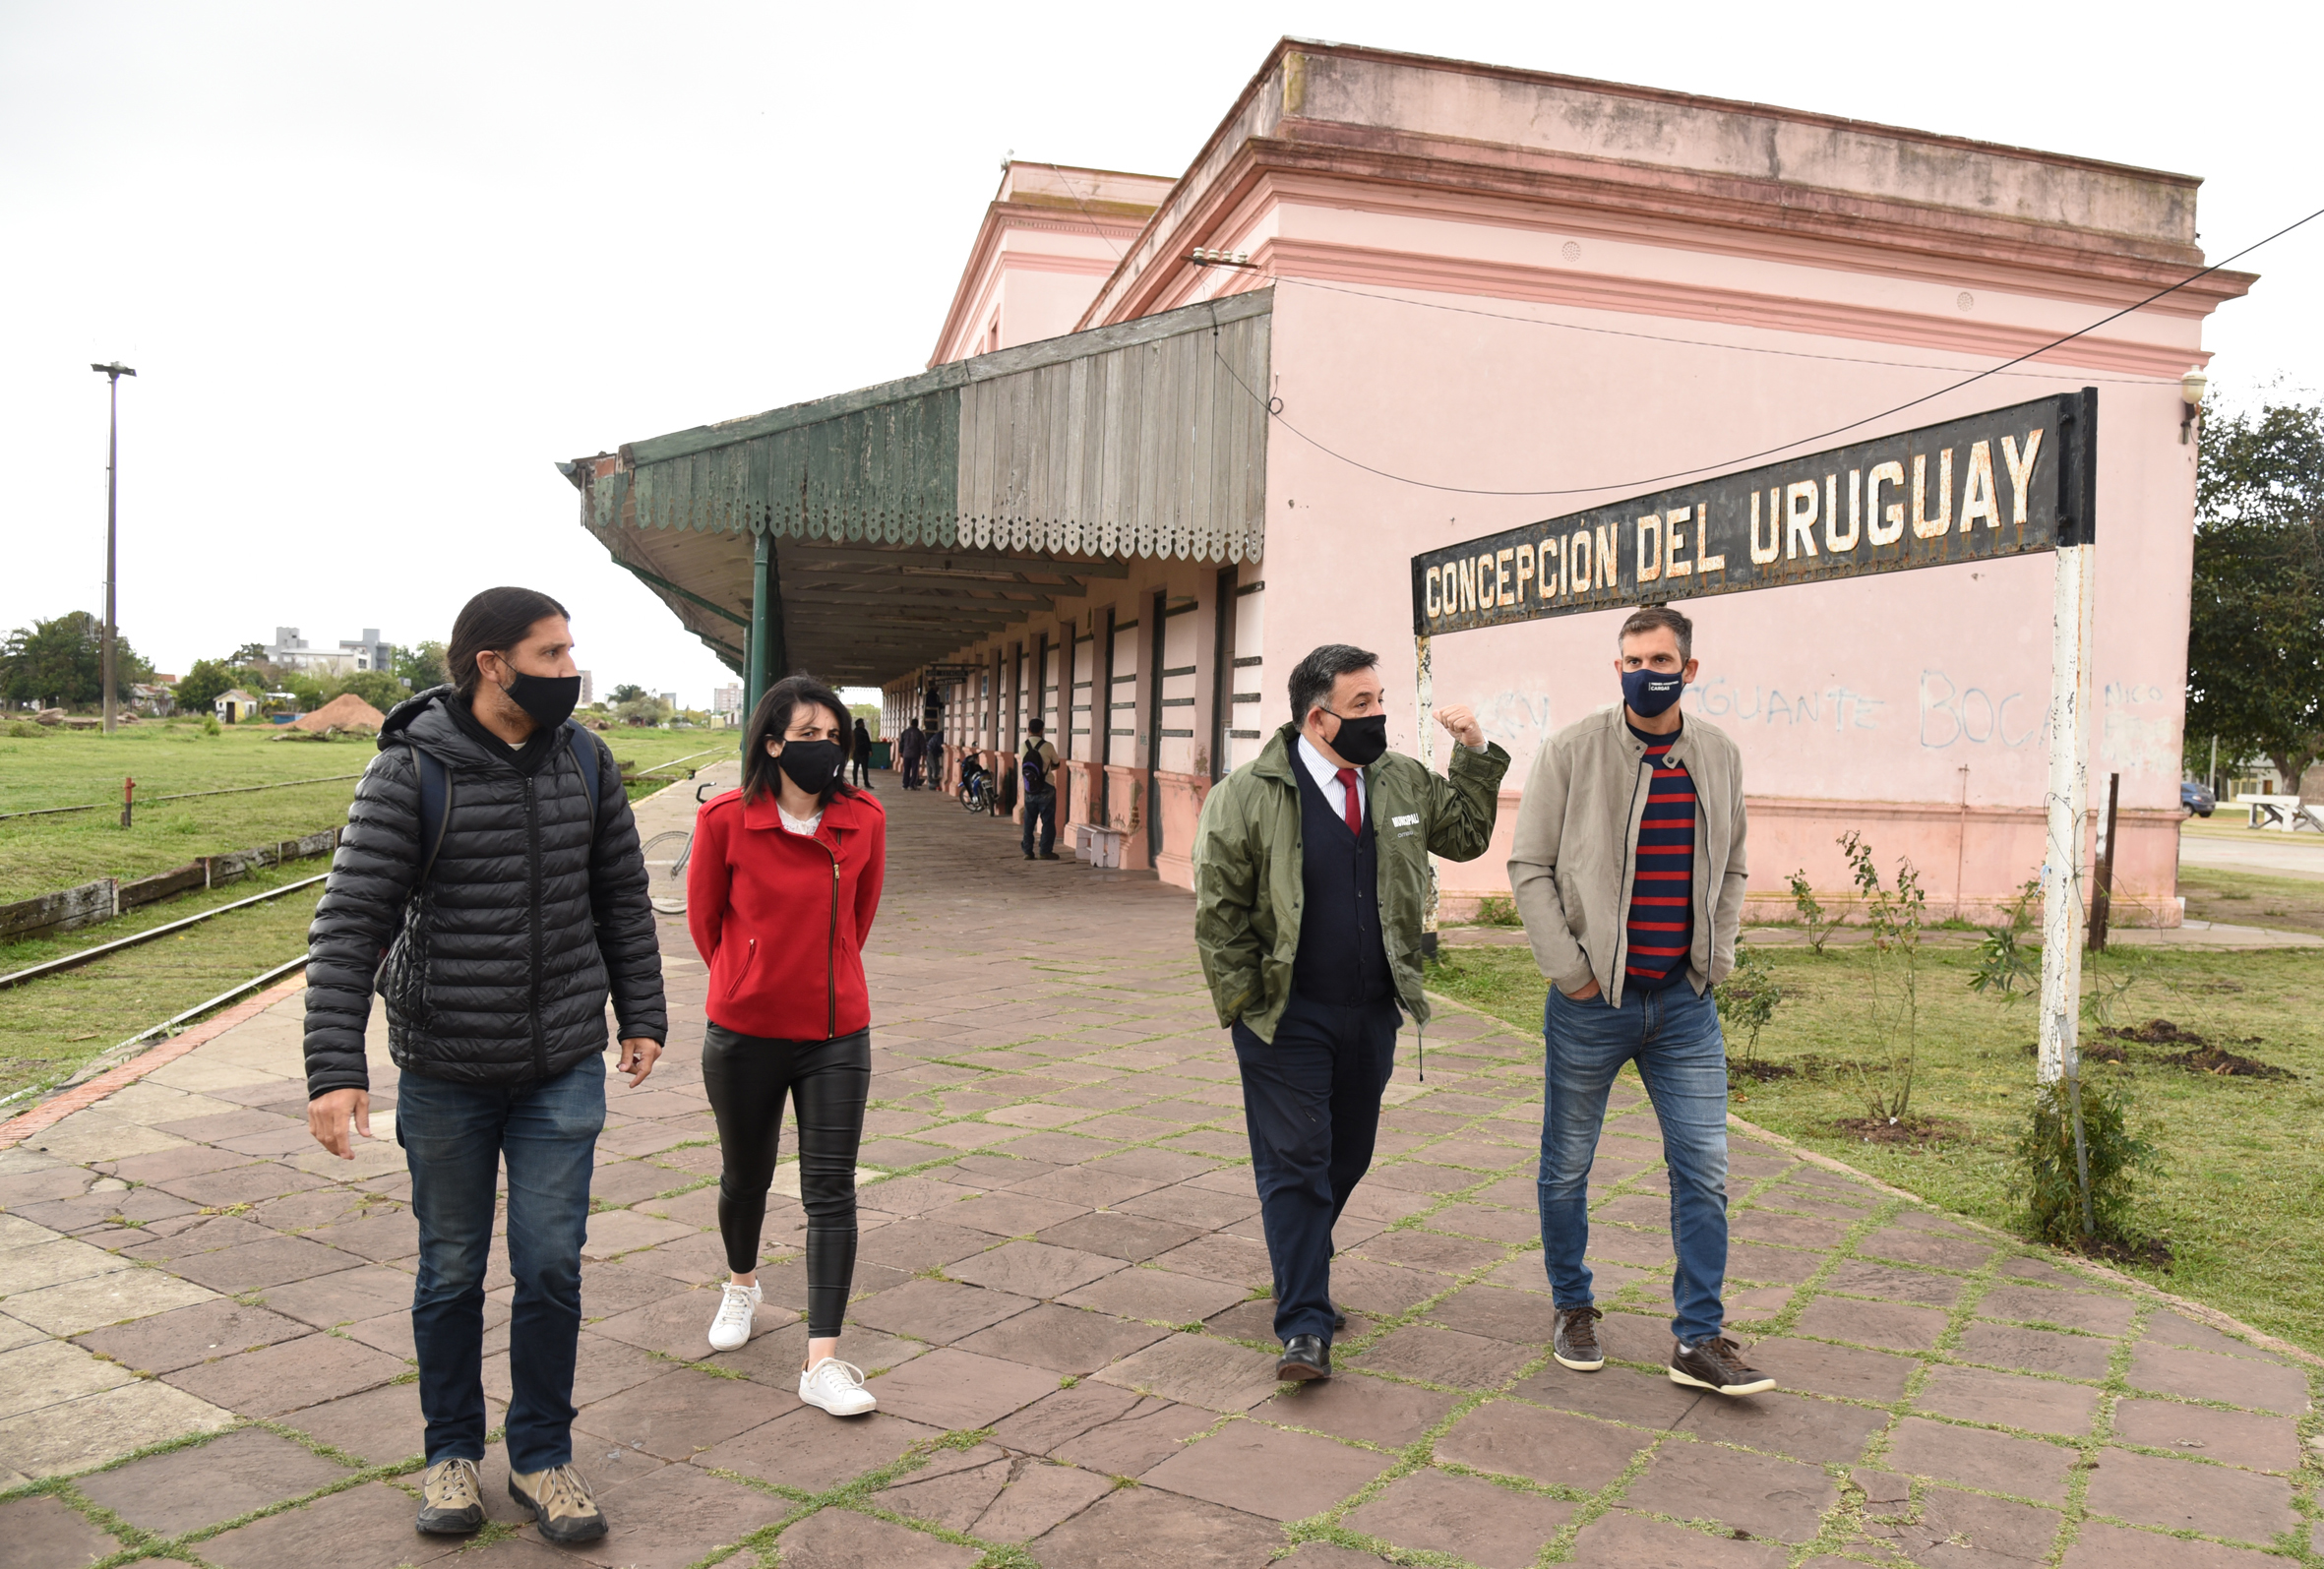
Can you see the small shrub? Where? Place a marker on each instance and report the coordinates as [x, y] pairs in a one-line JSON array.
[[1814, 919], [2048, 1178], [2003, 958], [1494, 910], [1746, 1000], [211, 726], [25, 730], [1892, 1001]]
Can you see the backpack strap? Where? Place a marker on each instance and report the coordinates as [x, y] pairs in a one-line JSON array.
[[435, 809], [585, 758]]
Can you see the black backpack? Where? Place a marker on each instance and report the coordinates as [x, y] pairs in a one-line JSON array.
[[1034, 772]]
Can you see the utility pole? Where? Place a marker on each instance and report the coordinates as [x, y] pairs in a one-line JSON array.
[[113, 374]]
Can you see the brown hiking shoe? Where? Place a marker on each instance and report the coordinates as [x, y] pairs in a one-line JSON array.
[[1577, 1343], [559, 1501], [1716, 1364], [451, 1499]]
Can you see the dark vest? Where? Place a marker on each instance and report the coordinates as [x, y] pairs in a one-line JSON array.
[[1340, 960]]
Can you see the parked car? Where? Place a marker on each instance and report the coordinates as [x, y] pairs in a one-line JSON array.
[[2197, 798]]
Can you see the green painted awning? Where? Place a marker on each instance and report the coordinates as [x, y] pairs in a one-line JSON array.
[[1146, 440]]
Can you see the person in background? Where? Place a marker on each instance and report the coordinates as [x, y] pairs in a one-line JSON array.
[[1038, 771], [861, 752], [1310, 864], [780, 893], [909, 748], [505, 922], [1629, 872]]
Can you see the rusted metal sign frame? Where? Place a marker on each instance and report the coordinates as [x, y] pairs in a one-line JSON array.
[[2007, 482]]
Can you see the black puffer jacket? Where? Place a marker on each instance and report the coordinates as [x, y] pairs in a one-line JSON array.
[[496, 970]]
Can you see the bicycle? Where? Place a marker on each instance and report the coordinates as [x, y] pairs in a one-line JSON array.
[[976, 793]]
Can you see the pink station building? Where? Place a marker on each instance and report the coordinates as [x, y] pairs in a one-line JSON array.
[[1176, 432]]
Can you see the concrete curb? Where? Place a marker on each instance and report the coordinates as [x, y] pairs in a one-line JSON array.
[[81, 1097]]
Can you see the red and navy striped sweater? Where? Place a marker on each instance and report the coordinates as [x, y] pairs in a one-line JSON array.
[[1662, 898]]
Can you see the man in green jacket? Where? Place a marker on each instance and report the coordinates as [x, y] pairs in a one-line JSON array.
[[1311, 875]]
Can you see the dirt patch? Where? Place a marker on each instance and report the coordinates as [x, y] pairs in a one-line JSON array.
[[1759, 1070], [2154, 1250], [2221, 1062], [2198, 1054], [1910, 1132], [2098, 1051]]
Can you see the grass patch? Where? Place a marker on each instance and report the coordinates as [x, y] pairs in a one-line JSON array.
[[2249, 898], [50, 1027], [2242, 1196], [74, 768]]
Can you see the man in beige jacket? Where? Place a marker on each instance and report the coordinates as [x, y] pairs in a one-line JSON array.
[[1629, 870]]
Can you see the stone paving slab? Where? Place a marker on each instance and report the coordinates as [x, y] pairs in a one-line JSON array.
[[204, 1344]]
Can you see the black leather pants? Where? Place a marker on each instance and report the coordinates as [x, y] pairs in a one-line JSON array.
[[747, 1077]]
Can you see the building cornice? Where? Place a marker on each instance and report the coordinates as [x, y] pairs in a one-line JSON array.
[[1002, 218], [1590, 199]]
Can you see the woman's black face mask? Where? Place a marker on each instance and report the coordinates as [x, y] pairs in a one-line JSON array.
[[811, 765]]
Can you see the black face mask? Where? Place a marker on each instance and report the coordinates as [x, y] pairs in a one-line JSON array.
[[549, 700], [1360, 742], [811, 765]]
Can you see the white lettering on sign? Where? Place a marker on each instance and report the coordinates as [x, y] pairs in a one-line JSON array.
[[1799, 518], [1409, 819], [1977, 494], [1887, 527], [1798, 528], [2021, 471]]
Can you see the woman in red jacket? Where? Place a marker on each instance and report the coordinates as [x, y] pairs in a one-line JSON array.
[[780, 891]]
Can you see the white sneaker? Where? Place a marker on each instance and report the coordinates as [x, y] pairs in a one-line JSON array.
[[732, 1326], [837, 1387]]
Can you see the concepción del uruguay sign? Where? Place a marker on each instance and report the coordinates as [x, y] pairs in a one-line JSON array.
[[2010, 482]]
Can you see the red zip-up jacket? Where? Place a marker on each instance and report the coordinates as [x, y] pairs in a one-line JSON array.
[[780, 917]]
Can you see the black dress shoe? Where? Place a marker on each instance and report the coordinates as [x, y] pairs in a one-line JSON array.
[[1305, 1358], [1340, 1320]]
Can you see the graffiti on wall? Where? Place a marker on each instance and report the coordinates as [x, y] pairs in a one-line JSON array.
[[1952, 715], [1836, 708]]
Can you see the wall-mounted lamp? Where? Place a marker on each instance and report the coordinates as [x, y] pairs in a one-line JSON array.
[[1202, 257], [2191, 391]]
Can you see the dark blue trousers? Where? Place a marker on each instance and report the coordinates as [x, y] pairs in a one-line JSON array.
[[1310, 1100], [455, 1138], [1042, 809]]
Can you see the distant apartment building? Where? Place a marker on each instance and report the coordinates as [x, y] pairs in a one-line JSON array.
[[290, 651], [671, 699], [588, 688], [727, 701]]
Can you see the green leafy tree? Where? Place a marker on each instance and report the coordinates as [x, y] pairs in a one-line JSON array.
[[624, 693], [375, 687], [1747, 1000], [2255, 635], [248, 654], [202, 686], [62, 662], [423, 666], [1891, 1004]]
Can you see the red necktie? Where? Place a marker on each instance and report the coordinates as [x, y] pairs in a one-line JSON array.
[[1355, 807]]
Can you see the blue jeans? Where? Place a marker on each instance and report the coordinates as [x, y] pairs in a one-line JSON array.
[[1674, 1037], [1310, 1103], [453, 1139]]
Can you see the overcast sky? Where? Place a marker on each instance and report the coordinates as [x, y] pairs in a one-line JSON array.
[[379, 266]]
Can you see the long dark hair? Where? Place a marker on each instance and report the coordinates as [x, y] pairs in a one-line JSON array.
[[772, 718], [497, 618]]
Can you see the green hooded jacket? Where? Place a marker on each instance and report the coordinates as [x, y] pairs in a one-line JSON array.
[[1247, 882]]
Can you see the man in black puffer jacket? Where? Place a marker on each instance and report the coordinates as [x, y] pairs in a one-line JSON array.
[[497, 898]]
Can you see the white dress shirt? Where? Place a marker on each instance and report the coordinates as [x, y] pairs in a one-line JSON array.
[[1325, 773]]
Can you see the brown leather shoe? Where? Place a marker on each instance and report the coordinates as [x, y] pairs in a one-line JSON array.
[[1575, 1345], [1716, 1364]]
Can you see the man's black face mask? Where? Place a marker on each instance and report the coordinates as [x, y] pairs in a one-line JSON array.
[[549, 700], [1360, 742]]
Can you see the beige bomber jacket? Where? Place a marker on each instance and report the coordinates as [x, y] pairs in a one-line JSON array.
[[1576, 849]]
